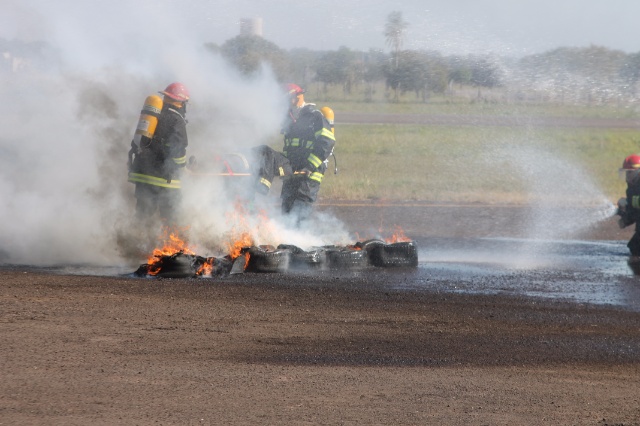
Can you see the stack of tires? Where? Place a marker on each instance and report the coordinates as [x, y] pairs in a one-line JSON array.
[[348, 257], [359, 256], [314, 258]]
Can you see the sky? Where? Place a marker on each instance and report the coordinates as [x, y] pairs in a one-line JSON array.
[[517, 28]]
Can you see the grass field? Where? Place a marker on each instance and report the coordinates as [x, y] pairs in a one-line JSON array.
[[479, 164], [485, 164]]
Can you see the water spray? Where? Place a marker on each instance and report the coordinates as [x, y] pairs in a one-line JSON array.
[[606, 211]]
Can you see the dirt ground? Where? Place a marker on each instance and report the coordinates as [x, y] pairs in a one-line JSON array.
[[268, 349]]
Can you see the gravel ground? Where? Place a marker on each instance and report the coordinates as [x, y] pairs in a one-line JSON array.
[[283, 349]]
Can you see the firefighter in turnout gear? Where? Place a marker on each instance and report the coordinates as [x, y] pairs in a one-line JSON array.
[[308, 143], [629, 206], [158, 154]]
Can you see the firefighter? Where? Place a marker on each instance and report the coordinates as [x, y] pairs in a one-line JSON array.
[[159, 153], [629, 206], [308, 143]]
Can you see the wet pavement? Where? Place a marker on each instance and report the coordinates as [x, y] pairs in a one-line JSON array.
[[595, 272], [498, 260], [584, 272], [493, 249]]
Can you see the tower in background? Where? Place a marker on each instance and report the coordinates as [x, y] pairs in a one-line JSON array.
[[251, 26]]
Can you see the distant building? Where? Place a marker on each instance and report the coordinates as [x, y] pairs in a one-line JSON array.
[[251, 26]]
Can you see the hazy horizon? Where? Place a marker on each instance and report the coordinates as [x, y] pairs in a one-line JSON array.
[[463, 27]]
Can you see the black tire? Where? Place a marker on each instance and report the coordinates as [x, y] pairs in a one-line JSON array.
[[217, 267], [293, 249], [369, 244], [142, 271], [347, 258], [309, 259], [179, 265], [402, 254], [267, 260]]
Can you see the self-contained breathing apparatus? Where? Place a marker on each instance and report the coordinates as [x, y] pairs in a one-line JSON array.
[[329, 115], [147, 124]]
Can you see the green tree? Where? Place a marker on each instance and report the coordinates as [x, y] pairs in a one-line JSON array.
[[249, 52], [373, 63], [459, 71], [302, 66], [583, 74], [412, 73], [418, 71], [485, 73], [337, 67]]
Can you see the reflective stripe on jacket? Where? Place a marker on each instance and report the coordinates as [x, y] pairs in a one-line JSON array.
[[308, 142], [161, 158], [152, 180]]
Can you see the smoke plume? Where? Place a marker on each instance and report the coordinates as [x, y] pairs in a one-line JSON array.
[[68, 127]]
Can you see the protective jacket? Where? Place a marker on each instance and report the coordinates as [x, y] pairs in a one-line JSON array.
[[308, 142], [270, 163], [631, 215], [159, 160]]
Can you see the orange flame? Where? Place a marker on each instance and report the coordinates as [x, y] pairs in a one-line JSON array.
[[239, 237], [172, 244], [398, 236], [235, 246], [207, 267]]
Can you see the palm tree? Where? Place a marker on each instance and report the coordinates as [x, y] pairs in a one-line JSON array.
[[394, 32]]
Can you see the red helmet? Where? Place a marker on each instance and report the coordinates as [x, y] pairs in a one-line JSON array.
[[632, 162], [177, 92], [293, 89]]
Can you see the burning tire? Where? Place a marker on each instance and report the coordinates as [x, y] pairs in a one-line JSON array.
[[347, 258], [402, 254], [178, 265], [268, 259], [368, 245], [216, 267], [301, 259], [181, 265]]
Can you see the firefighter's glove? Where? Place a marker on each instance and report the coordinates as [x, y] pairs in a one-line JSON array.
[[622, 204], [622, 223], [622, 208]]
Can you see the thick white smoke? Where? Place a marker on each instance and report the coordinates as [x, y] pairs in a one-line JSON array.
[[67, 129]]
